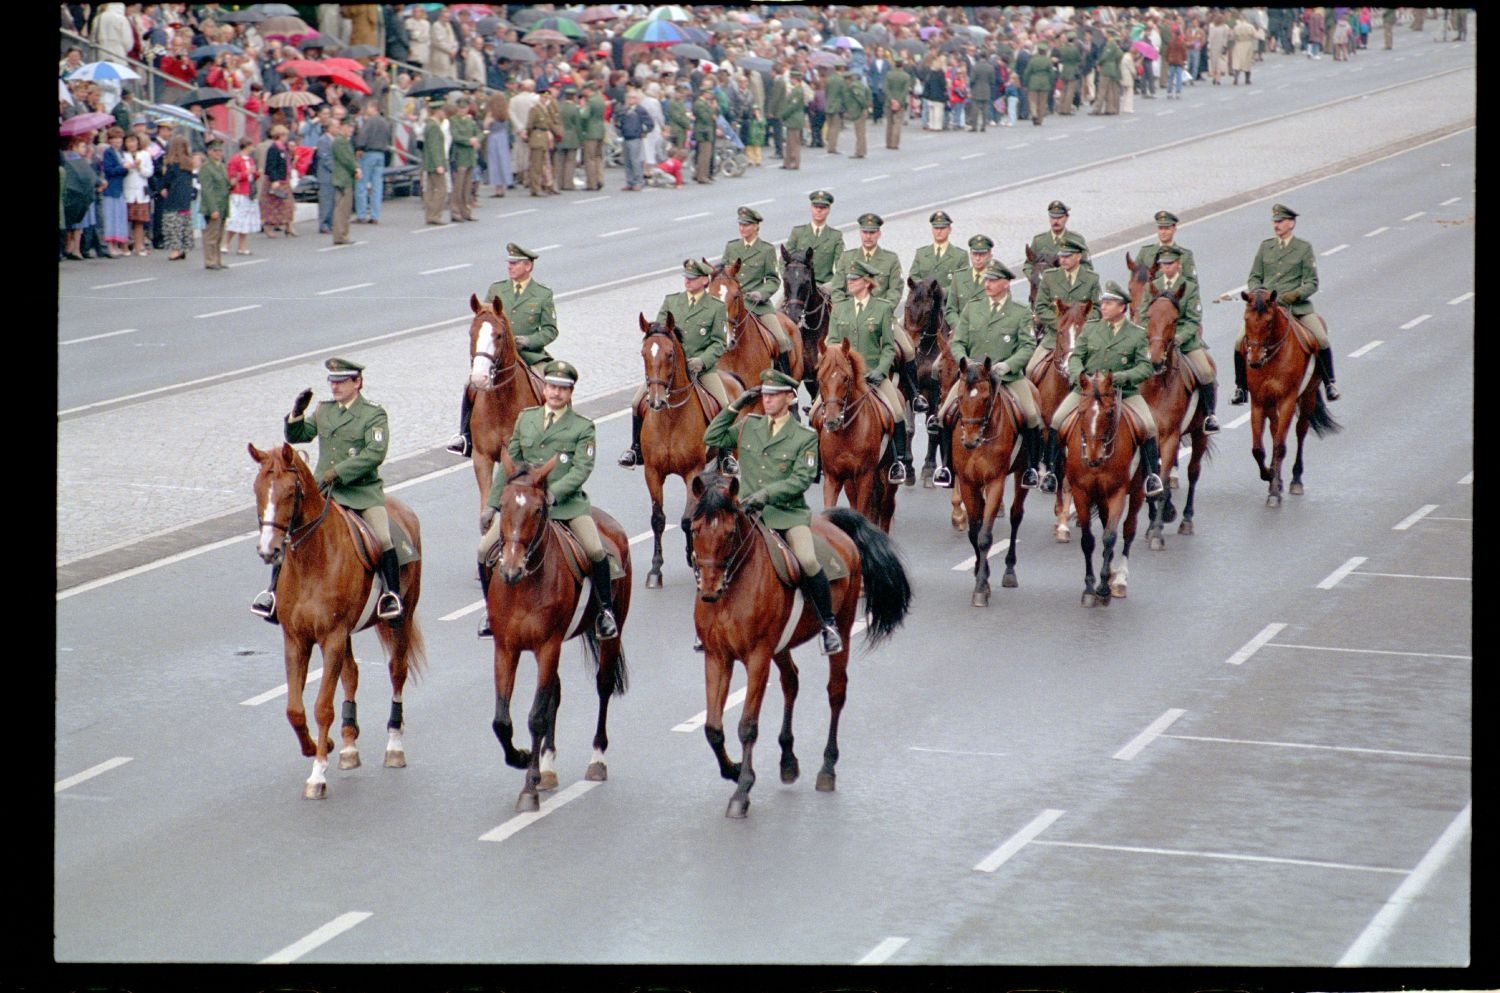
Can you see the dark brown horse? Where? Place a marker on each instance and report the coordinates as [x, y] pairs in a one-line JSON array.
[[502, 384], [807, 305], [927, 326], [745, 612], [1176, 409], [325, 594], [854, 436], [535, 604], [1141, 276], [1282, 377], [752, 344], [1052, 387], [1040, 263], [672, 428], [988, 436], [1104, 474]]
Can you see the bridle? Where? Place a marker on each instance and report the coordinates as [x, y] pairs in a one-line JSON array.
[[1171, 346], [685, 391], [734, 325], [293, 535], [499, 375], [1274, 347], [933, 321], [847, 408], [1108, 441], [535, 554], [819, 305], [984, 419], [730, 566]]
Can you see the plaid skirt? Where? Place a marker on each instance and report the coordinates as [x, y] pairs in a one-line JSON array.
[[138, 213]]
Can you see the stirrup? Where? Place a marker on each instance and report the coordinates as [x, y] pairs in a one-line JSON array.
[[1210, 424], [919, 403], [1239, 397], [630, 458], [264, 605], [1049, 481], [942, 478], [832, 643], [1330, 391], [460, 445], [1153, 485], [604, 625], [697, 642], [1029, 478], [897, 473], [388, 607]]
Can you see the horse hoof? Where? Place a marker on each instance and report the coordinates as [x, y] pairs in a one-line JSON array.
[[959, 519], [927, 471], [1172, 481], [790, 770], [528, 803], [1157, 544], [1274, 500], [653, 580], [1295, 489], [395, 759], [315, 791], [1186, 527], [548, 781], [597, 772], [1089, 600], [1116, 590], [349, 758], [981, 598], [1061, 534], [1168, 514], [825, 782], [928, 484], [738, 808], [1009, 581], [1265, 475]]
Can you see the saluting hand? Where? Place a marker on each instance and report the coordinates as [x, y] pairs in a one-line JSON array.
[[299, 406], [746, 398]]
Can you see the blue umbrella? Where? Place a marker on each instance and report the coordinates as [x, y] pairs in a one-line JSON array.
[[103, 70], [175, 115], [659, 32], [214, 51]]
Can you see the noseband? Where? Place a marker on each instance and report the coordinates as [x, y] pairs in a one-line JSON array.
[[1275, 346], [684, 391], [499, 375], [293, 535], [847, 408], [535, 554], [984, 419], [729, 567], [1108, 441]]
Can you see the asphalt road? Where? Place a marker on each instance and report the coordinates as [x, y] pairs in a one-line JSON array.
[[1261, 757]]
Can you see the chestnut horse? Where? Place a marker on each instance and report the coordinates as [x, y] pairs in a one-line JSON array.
[[927, 326], [744, 612], [988, 436], [325, 594], [1176, 409], [1281, 381], [672, 428], [748, 353], [534, 604], [853, 440], [503, 387], [1104, 472], [807, 305], [1052, 387]]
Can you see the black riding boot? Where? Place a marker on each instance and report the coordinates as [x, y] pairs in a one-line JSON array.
[[1031, 448], [782, 363], [604, 624], [1052, 452], [942, 478], [388, 607], [1239, 397], [1325, 365], [265, 602], [815, 589], [1209, 399], [918, 401], [631, 457], [1152, 458], [900, 457], [484, 585], [463, 442]]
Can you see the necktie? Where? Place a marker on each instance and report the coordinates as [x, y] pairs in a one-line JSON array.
[[994, 306], [547, 421], [859, 307], [518, 289]]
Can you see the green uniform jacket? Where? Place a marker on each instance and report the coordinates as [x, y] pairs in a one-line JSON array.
[[827, 247], [1149, 253], [593, 118], [1190, 312], [1039, 75], [926, 265], [1044, 242], [898, 86], [532, 315], [1003, 336], [1055, 287], [1070, 58], [353, 443], [982, 82], [344, 164], [783, 466], [572, 123], [888, 287], [702, 326], [757, 272], [542, 119], [678, 121], [1127, 355], [775, 98], [963, 289], [434, 156], [213, 180], [1109, 61], [833, 94], [571, 438], [870, 335], [1291, 271], [794, 109], [856, 100], [705, 116], [461, 129]]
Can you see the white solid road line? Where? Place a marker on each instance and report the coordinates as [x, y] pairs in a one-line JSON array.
[[1239, 421], [221, 313], [1460, 299], [883, 951], [548, 805], [1323, 748], [1017, 841], [236, 265], [1468, 479], [871, 179], [1389, 915], [343, 289], [604, 196], [1255, 644], [1230, 856], [930, 165], [1372, 651], [757, 203], [1412, 575], [692, 217], [518, 213], [1415, 516], [548, 248], [128, 282], [611, 234], [1415, 321], [1337, 575], [96, 337], [1138, 744], [1450, 200], [971, 155], [1365, 349], [90, 773], [446, 268], [335, 248], [322, 935], [1334, 250]]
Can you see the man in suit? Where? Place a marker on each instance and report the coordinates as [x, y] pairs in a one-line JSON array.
[[705, 123], [543, 130], [967, 284], [591, 117], [897, 90], [1057, 232], [793, 118], [939, 260]]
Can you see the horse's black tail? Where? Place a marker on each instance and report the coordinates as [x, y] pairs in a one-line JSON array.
[[620, 675], [887, 590], [1321, 420]]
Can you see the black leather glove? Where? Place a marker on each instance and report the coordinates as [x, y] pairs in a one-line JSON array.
[[299, 406], [755, 501], [746, 398], [874, 378]]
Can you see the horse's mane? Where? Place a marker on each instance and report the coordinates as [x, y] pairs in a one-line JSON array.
[[525, 469], [974, 373], [716, 497], [1260, 301], [658, 328]]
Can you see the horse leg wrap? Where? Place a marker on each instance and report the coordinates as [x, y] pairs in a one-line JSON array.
[[349, 720], [395, 723]]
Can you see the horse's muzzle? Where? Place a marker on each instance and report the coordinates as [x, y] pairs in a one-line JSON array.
[[273, 557], [656, 403]]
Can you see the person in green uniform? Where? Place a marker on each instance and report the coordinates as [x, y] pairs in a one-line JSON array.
[[1117, 345], [1051, 240], [1069, 282], [346, 173], [533, 321], [434, 163], [1166, 235], [997, 328], [1107, 101], [699, 316], [1069, 61], [833, 101], [967, 284], [826, 241], [898, 85], [353, 437], [592, 119], [467, 136], [759, 278], [705, 122], [939, 260], [556, 429], [1288, 265], [565, 155], [679, 123], [887, 287], [793, 119], [1189, 329], [867, 321], [857, 108], [213, 203], [1039, 78], [778, 460]]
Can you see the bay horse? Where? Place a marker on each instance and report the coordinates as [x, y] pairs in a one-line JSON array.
[[672, 426], [748, 353], [534, 605], [1141, 276], [1176, 409], [1281, 381], [502, 385], [1104, 473], [927, 326], [745, 612], [807, 305], [323, 595], [854, 438], [1040, 263], [988, 435], [1053, 385]]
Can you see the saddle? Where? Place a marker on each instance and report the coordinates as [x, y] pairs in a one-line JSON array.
[[1042, 369], [784, 560], [1305, 337], [367, 546], [575, 557]]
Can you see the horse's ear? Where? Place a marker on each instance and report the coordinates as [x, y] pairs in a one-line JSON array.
[[497, 304], [911, 283], [645, 324], [807, 257], [507, 463], [822, 347], [474, 303], [1030, 255], [287, 452], [987, 365], [1155, 268], [1181, 290], [1061, 305], [698, 487], [256, 453], [963, 364], [1129, 262], [1272, 297], [845, 344], [734, 486], [671, 323], [784, 256], [734, 270], [546, 469], [1244, 296]]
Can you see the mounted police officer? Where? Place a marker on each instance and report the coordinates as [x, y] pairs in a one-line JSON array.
[[1287, 265], [1166, 236], [759, 279], [1056, 235], [1189, 328], [939, 260], [967, 284], [699, 316], [998, 328], [826, 241], [556, 429], [533, 321], [1111, 344], [778, 459], [1069, 282], [866, 320], [885, 266], [353, 438]]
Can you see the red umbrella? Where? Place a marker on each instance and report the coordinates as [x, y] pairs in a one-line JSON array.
[[304, 67], [338, 62], [899, 17], [84, 123], [348, 80]]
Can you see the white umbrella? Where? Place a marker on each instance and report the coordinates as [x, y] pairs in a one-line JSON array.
[[103, 70], [671, 12]]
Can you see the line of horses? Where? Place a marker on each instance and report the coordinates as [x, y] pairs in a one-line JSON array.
[[745, 609]]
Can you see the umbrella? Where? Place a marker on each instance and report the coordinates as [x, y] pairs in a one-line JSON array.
[[544, 36], [476, 9], [349, 65], [274, 10], [755, 63], [311, 39], [175, 115], [515, 52], [688, 51], [239, 16], [360, 52], [843, 41], [912, 46], [1145, 48], [723, 27], [348, 81], [214, 51], [282, 26], [84, 123], [437, 86], [304, 67], [899, 17], [696, 36], [975, 29], [596, 14], [562, 25], [824, 58], [794, 23], [658, 32], [746, 16], [205, 96], [526, 15], [868, 38], [103, 70], [488, 25], [671, 12], [293, 98]]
